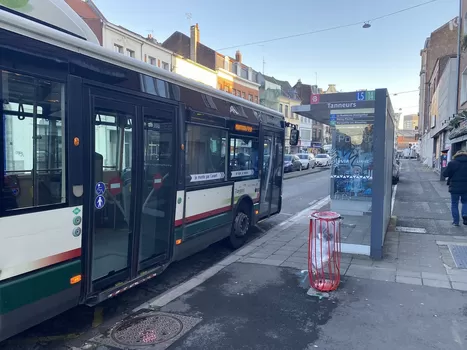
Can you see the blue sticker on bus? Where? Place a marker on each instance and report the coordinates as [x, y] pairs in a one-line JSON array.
[[99, 202], [100, 188]]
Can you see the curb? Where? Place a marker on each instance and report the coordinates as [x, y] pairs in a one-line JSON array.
[[183, 288], [301, 173]]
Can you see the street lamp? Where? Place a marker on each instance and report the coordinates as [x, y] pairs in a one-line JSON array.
[[366, 25]]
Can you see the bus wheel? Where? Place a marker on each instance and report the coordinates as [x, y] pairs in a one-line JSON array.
[[240, 228]]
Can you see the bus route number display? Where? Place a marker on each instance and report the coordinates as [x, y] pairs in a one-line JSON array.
[[244, 128]]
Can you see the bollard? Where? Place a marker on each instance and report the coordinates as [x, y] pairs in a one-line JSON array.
[[324, 251]]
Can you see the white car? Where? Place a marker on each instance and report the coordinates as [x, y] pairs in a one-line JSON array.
[[307, 160], [323, 159]]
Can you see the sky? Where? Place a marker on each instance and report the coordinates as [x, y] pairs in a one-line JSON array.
[[387, 55]]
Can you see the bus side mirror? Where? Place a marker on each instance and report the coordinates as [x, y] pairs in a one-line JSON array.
[[294, 135]]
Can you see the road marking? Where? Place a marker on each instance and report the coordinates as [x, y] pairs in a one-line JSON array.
[[316, 206], [410, 229]]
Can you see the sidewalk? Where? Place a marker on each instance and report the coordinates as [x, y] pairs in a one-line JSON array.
[[256, 298]]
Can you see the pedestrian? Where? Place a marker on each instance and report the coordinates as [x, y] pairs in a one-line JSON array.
[[456, 172]]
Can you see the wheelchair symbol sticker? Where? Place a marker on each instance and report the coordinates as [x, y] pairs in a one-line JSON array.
[[100, 188]]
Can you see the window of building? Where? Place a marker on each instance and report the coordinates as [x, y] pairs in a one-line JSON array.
[[314, 134], [226, 88], [238, 93], [256, 99], [130, 53], [34, 156], [152, 61], [243, 95], [250, 97], [280, 107], [165, 65], [118, 48], [205, 154], [243, 157], [286, 111], [234, 91]]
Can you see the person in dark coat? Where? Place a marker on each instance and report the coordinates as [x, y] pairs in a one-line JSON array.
[[456, 172]]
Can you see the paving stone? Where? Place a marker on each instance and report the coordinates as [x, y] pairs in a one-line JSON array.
[[259, 255], [458, 277], [459, 286], [298, 260], [409, 280], [272, 262], [295, 265], [245, 250], [359, 271], [435, 276], [407, 273], [361, 262], [388, 275], [252, 260], [436, 283], [385, 264]]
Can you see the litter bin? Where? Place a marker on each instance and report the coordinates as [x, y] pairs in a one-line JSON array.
[[324, 251]]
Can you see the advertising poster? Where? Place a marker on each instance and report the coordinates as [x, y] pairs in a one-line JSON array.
[[352, 171]]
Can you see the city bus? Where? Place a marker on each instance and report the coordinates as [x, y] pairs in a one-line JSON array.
[[113, 169]]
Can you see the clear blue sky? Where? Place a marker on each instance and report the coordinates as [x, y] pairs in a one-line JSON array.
[[386, 55]]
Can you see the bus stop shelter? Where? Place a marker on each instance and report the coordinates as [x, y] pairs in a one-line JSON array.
[[363, 127]]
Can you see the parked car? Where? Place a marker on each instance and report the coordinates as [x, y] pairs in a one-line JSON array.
[[323, 159], [292, 163], [307, 160]]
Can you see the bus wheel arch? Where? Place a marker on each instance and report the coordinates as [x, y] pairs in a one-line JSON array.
[[241, 222]]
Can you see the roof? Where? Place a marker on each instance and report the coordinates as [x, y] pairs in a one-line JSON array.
[[180, 44], [286, 89], [86, 9]]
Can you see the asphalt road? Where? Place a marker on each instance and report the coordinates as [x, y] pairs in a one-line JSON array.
[[80, 323]]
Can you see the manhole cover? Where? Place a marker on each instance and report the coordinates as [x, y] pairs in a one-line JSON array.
[[459, 254], [147, 330]]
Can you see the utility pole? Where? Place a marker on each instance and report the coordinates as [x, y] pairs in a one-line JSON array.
[[316, 75], [264, 62]]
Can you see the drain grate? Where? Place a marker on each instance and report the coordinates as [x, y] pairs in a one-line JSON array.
[[147, 330], [459, 254]]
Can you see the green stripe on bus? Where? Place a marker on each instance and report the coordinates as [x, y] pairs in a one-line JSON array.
[[36, 286], [206, 224]]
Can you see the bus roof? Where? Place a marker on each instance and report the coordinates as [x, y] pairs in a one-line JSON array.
[[29, 28]]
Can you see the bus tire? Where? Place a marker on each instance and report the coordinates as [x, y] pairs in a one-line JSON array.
[[240, 228]]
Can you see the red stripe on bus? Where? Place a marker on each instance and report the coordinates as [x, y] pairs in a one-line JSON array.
[[203, 215]]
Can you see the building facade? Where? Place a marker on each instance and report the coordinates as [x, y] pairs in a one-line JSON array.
[[410, 122], [442, 42]]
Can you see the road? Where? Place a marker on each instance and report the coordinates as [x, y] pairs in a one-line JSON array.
[[76, 325]]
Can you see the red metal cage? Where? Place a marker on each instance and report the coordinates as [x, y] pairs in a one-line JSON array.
[[324, 251]]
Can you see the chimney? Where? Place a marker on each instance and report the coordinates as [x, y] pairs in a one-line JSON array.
[[194, 40], [238, 56]]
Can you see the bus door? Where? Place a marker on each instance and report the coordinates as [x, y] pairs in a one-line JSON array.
[[131, 189], [271, 173]]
